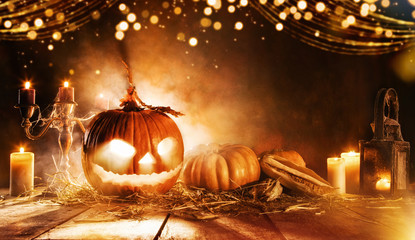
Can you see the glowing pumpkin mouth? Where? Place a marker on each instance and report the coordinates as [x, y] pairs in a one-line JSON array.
[[134, 179]]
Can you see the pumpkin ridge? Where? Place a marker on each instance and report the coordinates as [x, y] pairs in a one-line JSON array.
[[244, 151], [157, 138], [144, 140], [235, 167]]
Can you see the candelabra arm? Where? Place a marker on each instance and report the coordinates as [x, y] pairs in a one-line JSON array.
[[81, 126], [27, 124]]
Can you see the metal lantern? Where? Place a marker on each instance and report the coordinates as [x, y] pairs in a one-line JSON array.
[[384, 160]]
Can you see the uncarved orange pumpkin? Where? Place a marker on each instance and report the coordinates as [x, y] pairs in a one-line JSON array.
[[155, 144], [220, 167]]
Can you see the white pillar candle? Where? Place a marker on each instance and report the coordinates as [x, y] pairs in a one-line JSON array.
[[352, 161], [336, 174], [21, 172]]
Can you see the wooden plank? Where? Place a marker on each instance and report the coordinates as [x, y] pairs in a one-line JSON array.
[[27, 219], [102, 222], [240, 227], [341, 223]]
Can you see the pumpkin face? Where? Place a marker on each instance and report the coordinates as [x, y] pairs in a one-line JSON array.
[[127, 152], [220, 167]]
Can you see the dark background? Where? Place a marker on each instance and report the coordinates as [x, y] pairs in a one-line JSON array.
[[257, 86]]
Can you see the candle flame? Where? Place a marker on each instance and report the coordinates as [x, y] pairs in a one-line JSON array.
[[27, 85], [22, 149], [66, 84]]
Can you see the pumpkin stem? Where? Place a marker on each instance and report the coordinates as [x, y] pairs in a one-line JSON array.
[[132, 102]]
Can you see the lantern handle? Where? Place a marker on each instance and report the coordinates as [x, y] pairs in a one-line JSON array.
[[386, 110]]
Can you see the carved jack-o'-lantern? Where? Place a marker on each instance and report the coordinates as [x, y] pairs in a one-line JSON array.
[[133, 149], [126, 152]]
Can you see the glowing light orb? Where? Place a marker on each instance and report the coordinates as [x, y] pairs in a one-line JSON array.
[[372, 7], [96, 15], [177, 10], [239, 25], [131, 17], [308, 16], [345, 24], [282, 15], [351, 19], [263, 2], [293, 9], [231, 8], [24, 26], [378, 30], [49, 12], [205, 22], [243, 3], [211, 2], [98, 72], [123, 26], [278, 2], [32, 35], [207, 11], [60, 17], [302, 4], [136, 26], [320, 7], [386, 3], [50, 47], [145, 13], [154, 19], [38, 22], [297, 16], [217, 26], [180, 36], [122, 7], [119, 35], [165, 5], [279, 26], [388, 33], [8, 24], [57, 36], [193, 41], [231, 1]]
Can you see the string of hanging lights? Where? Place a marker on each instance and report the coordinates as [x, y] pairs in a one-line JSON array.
[[347, 27], [33, 19]]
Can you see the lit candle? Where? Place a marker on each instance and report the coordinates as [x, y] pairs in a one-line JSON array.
[[66, 93], [336, 174], [21, 172], [383, 184], [26, 95], [352, 161], [101, 102]]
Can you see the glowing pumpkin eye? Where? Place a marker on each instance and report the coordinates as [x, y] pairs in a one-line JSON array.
[[121, 148], [117, 149], [166, 146]]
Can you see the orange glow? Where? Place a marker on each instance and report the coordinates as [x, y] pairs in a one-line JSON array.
[[22, 149], [27, 85], [66, 84], [384, 184]]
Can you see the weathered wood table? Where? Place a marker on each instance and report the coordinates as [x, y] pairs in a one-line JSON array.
[[40, 218]]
